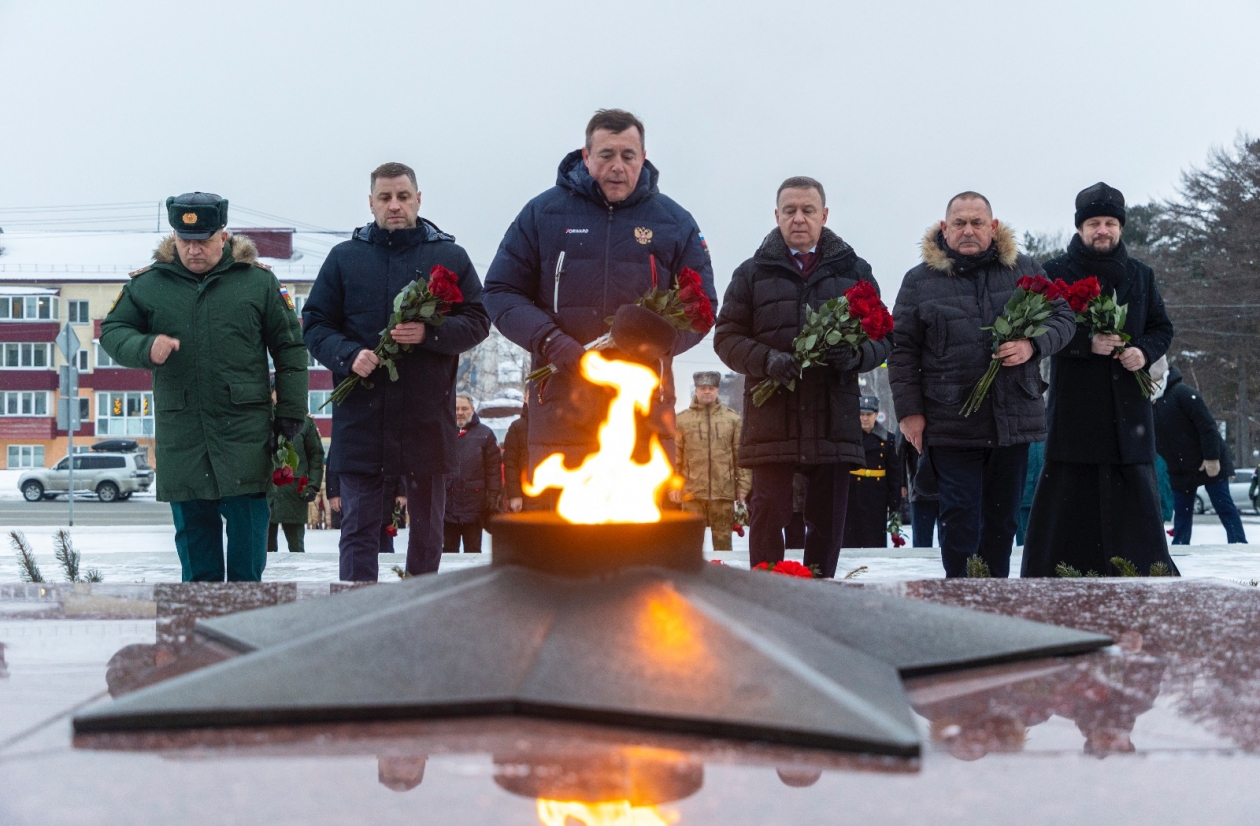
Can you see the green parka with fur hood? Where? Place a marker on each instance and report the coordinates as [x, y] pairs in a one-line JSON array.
[[212, 397]]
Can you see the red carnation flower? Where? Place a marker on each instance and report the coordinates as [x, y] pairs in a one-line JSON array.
[[877, 324], [898, 540], [282, 477], [763, 566], [301, 484], [1036, 284], [690, 278], [391, 530], [444, 285], [861, 290], [789, 568]]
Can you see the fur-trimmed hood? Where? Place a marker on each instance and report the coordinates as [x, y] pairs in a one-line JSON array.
[[936, 258], [243, 250]]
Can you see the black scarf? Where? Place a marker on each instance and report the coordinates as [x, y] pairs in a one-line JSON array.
[[964, 264], [1109, 267]]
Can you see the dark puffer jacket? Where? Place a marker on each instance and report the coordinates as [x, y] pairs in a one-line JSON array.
[[568, 261], [516, 456], [764, 309], [1097, 413], [940, 350], [473, 489], [399, 427], [1186, 435]]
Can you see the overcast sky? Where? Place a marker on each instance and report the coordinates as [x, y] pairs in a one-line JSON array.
[[895, 106]]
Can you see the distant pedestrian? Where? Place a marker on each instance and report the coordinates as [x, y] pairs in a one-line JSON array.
[[204, 317], [875, 490], [1098, 498], [812, 429], [404, 428], [472, 491], [1187, 438], [516, 467], [941, 348], [708, 445]]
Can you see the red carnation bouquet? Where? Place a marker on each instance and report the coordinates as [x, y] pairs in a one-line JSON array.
[[850, 320], [684, 306], [741, 520], [787, 567], [424, 301], [1024, 317], [1104, 316]]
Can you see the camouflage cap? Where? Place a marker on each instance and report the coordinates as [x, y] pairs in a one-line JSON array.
[[869, 404], [707, 378], [196, 215]]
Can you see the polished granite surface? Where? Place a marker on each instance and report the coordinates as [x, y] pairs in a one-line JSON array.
[[1161, 728]]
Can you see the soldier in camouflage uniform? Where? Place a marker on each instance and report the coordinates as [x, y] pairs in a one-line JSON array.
[[708, 441]]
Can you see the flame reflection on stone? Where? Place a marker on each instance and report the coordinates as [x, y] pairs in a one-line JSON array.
[[611, 813], [609, 486]]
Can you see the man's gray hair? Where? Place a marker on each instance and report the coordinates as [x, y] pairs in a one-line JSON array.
[[968, 196], [471, 401], [801, 182]]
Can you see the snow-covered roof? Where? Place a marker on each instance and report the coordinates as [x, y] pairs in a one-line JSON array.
[[109, 256]]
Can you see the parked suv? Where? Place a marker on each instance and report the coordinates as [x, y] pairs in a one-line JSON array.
[[113, 477]]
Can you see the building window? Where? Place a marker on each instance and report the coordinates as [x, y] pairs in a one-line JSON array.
[[83, 360], [102, 358], [24, 403], [26, 456], [85, 409], [317, 398], [312, 364], [27, 308], [77, 312], [124, 414], [34, 356]]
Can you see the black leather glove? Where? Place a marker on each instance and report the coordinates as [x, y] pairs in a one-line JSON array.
[[289, 428], [782, 367], [311, 495], [844, 358], [563, 351]]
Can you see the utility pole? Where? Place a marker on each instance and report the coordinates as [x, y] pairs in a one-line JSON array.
[[68, 402]]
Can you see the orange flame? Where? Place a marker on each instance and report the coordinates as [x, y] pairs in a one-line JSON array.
[[612, 813], [609, 486]]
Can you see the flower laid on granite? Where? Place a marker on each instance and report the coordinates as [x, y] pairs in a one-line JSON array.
[[787, 567], [285, 462], [684, 306], [850, 320], [741, 517], [1023, 318], [422, 301], [894, 529]]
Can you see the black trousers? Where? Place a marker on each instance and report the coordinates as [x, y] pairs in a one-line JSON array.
[[365, 510], [452, 533], [981, 489], [770, 511]]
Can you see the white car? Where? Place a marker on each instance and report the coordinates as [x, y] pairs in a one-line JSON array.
[[113, 477], [1241, 490]]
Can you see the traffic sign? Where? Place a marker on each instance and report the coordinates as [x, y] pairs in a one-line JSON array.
[[68, 381], [68, 343], [68, 415]]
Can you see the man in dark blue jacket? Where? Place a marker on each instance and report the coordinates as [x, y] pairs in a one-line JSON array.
[[400, 428], [599, 239]]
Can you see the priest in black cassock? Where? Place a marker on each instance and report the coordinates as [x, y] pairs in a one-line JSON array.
[[1098, 497]]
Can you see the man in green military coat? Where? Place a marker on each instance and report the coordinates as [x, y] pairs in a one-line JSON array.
[[203, 317], [289, 502]]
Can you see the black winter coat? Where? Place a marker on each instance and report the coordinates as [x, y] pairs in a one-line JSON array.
[[567, 262], [1186, 435], [940, 350], [1097, 413], [407, 426], [516, 456], [872, 498], [764, 309], [473, 489]]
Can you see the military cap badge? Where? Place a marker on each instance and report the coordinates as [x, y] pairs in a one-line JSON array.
[[189, 218]]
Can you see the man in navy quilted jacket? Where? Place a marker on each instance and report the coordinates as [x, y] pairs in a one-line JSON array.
[[599, 239]]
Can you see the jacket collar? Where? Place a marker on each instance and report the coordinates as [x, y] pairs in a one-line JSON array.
[[237, 250], [473, 422], [424, 232], [774, 250], [573, 176], [936, 258]]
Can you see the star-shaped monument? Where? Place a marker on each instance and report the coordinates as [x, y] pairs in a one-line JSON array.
[[622, 625]]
